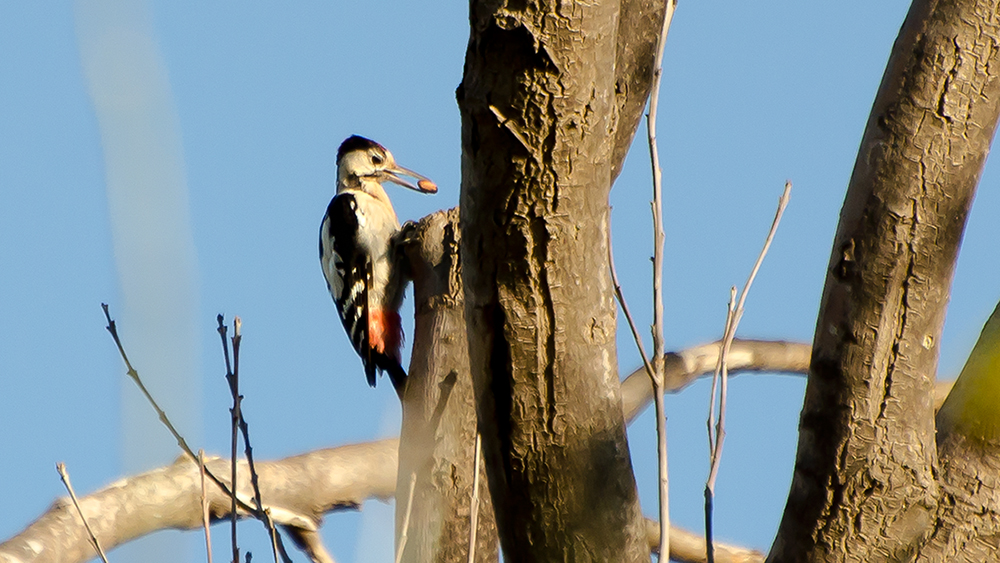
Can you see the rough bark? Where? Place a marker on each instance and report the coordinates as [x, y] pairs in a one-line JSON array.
[[968, 517], [538, 110], [864, 485], [968, 438], [438, 435], [639, 23]]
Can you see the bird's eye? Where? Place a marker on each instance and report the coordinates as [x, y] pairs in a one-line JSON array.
[[376, 159]]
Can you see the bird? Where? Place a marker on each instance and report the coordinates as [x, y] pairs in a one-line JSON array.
[[354, 250]]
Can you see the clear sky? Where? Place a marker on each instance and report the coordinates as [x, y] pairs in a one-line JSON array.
[[250, 103]]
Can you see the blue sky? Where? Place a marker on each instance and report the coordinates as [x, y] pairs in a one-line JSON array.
[[252, 101]]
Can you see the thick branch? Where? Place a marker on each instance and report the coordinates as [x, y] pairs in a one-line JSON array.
[[344, 477], [864, 484]]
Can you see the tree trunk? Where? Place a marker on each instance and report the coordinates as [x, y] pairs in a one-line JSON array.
[[438, 435], [864, 485], [539, 116]]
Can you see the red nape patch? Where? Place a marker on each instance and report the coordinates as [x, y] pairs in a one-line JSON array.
[[385, 332]]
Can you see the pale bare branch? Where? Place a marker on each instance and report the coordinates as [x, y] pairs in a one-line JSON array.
[[297, 491], [683, 367], [658, 240], [688, 547]]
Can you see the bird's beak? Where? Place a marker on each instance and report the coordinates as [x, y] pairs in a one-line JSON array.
[[399, 175]]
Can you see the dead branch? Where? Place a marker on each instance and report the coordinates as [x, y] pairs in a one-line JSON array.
[[297, 490], [689, 547], [682, 368]]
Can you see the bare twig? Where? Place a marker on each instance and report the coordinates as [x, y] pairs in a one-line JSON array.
[[238, 503], [715, 443], [234, 412], [733, 317], [273, 533], [113, 329], [628, 314], [204, 506], [61, 468], [134, 375], [658, 345], [717, 435], [233, 378], [474, 504], [406, 519]]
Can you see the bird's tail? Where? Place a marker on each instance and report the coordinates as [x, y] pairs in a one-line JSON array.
[[397, 375]]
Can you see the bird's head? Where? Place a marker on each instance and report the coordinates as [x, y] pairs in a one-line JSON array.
[[362, 162]]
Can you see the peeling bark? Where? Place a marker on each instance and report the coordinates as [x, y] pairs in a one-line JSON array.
[[864, 486]]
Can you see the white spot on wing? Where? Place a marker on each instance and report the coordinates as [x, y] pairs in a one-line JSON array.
[[335, 274]]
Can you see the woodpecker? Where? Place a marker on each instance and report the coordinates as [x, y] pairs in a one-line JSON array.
[[354, 250]]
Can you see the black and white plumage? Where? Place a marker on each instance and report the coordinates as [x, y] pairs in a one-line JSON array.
[[354, 250]]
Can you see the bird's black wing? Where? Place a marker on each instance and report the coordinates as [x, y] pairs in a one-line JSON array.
[[350, 275]]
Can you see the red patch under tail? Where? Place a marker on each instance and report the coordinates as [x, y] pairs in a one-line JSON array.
[[385, 332]]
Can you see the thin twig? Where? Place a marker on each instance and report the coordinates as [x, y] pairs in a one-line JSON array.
[[716, 376], [61, 468], [134, 375], [720, 381], [233, 378], [474, 504], [733, 318], [659, 237], [275, 538], [204, 506], [234, 415], [406, 519], [625, 309], [229, 491]]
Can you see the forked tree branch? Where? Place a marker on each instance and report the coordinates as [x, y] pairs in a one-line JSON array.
[[298, 491]]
